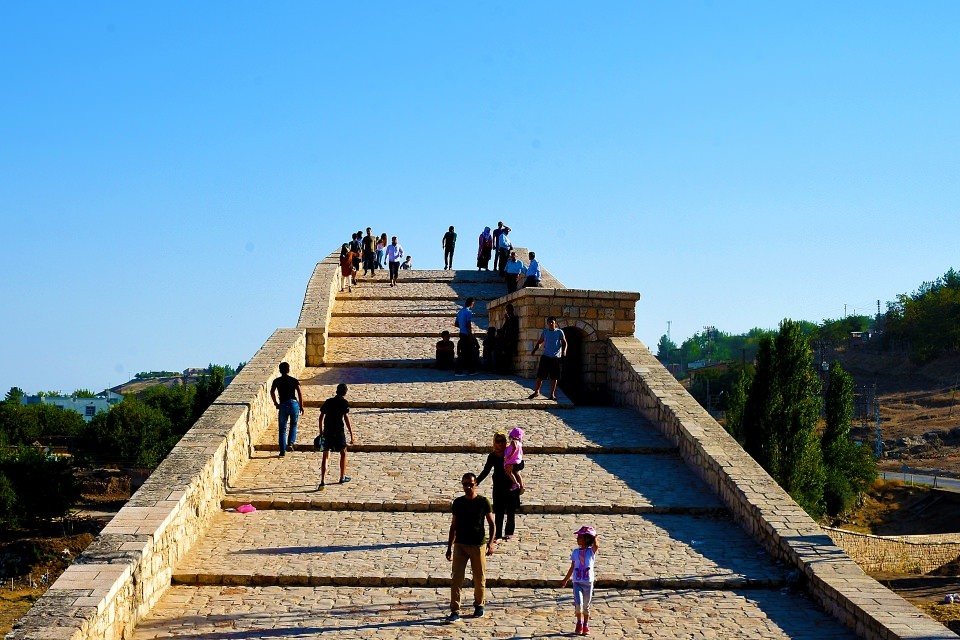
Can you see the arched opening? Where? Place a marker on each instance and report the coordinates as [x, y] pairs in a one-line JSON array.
[[571, 377]]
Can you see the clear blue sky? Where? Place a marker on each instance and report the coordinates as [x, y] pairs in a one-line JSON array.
[[171, 172]]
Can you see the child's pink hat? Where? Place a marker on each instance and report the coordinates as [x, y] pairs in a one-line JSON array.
[[516, 433], [587, 531]]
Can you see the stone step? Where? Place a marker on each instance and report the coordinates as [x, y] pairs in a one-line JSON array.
[[419, 290], [395, 613], [355, 308], [385, 351], [358, 327], [585, 430], [315, 548], [618, 483], [386, 387]]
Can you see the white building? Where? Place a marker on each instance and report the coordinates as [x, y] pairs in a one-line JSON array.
[[86, 407]]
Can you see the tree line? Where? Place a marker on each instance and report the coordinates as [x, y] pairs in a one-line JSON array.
[[38, 483]]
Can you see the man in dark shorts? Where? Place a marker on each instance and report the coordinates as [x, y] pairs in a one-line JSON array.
[[554, 345], [369, 245], [333, 416], [285, 393], [449, 245], [466, 542]]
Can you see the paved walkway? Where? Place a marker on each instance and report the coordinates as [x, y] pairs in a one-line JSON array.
[[366, 559]]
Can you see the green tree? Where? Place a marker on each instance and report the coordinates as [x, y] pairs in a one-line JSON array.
[[796, 412], [850, 469], [737, 403], [665, 349], [14, 395], [209, 388], [45, 485], [760, 439], [84, 393], [133, 433]]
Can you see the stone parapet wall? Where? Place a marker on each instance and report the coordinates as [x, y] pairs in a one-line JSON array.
[[317, 307], [127, 568], [593, 315], [897, 554], [637, 379]]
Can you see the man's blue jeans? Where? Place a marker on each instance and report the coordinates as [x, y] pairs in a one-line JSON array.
[[288, 409]]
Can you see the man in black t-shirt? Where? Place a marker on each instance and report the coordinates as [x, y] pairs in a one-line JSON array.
[[285, 393], [466, 542], [333, 416], [449, 245]]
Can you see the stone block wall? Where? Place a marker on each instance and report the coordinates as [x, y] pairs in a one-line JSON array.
[[898, 554], [589, 317], [317, 307], [127, 568], [637, 379]]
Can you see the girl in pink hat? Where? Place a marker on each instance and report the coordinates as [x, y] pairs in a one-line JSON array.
[[513, 458], [581, 568]]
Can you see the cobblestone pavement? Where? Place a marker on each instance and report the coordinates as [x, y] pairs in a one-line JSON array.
[[365, 559], [585, 429], [355, 613], [369, 548], [372, 327], [412, 290], [386, 387], [357, 307], [428, 481]]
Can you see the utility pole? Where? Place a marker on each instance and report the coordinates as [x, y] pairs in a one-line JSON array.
[[669, 321], [878, 446]]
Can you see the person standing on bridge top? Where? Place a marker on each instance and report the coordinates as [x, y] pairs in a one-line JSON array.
[[504, 247], [356, 249], [484, 250], [394, 253], [369, 244], [381, 250], [449, 243], [466, 542], [333, 416], [289, 404], [466, 343], [554, 348], [533, 272], [496, 240], [582, 562]]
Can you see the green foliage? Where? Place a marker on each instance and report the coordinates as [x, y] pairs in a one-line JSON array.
[[146, 375], [8, 501], [25, 424], [837, 332], [44, 485], [175, 402], [796, 411], [84, 393], [14, 395], [209, 389], [780, 416], [665, 349], [850, 468], [760, 438], [736, 405], [132, 433], [929, 319]]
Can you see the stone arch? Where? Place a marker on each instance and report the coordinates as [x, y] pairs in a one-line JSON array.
[[583, 379]]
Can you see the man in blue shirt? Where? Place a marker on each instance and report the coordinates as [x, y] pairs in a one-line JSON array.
[[554, 347], [533, 272], [513, 272], [466, 344]]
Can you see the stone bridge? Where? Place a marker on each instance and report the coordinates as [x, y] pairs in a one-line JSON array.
[[696, 540]]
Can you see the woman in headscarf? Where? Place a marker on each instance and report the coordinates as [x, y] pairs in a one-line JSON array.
[[486, 248]]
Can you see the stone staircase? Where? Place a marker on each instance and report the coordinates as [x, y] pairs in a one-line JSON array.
[[366, 559]]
